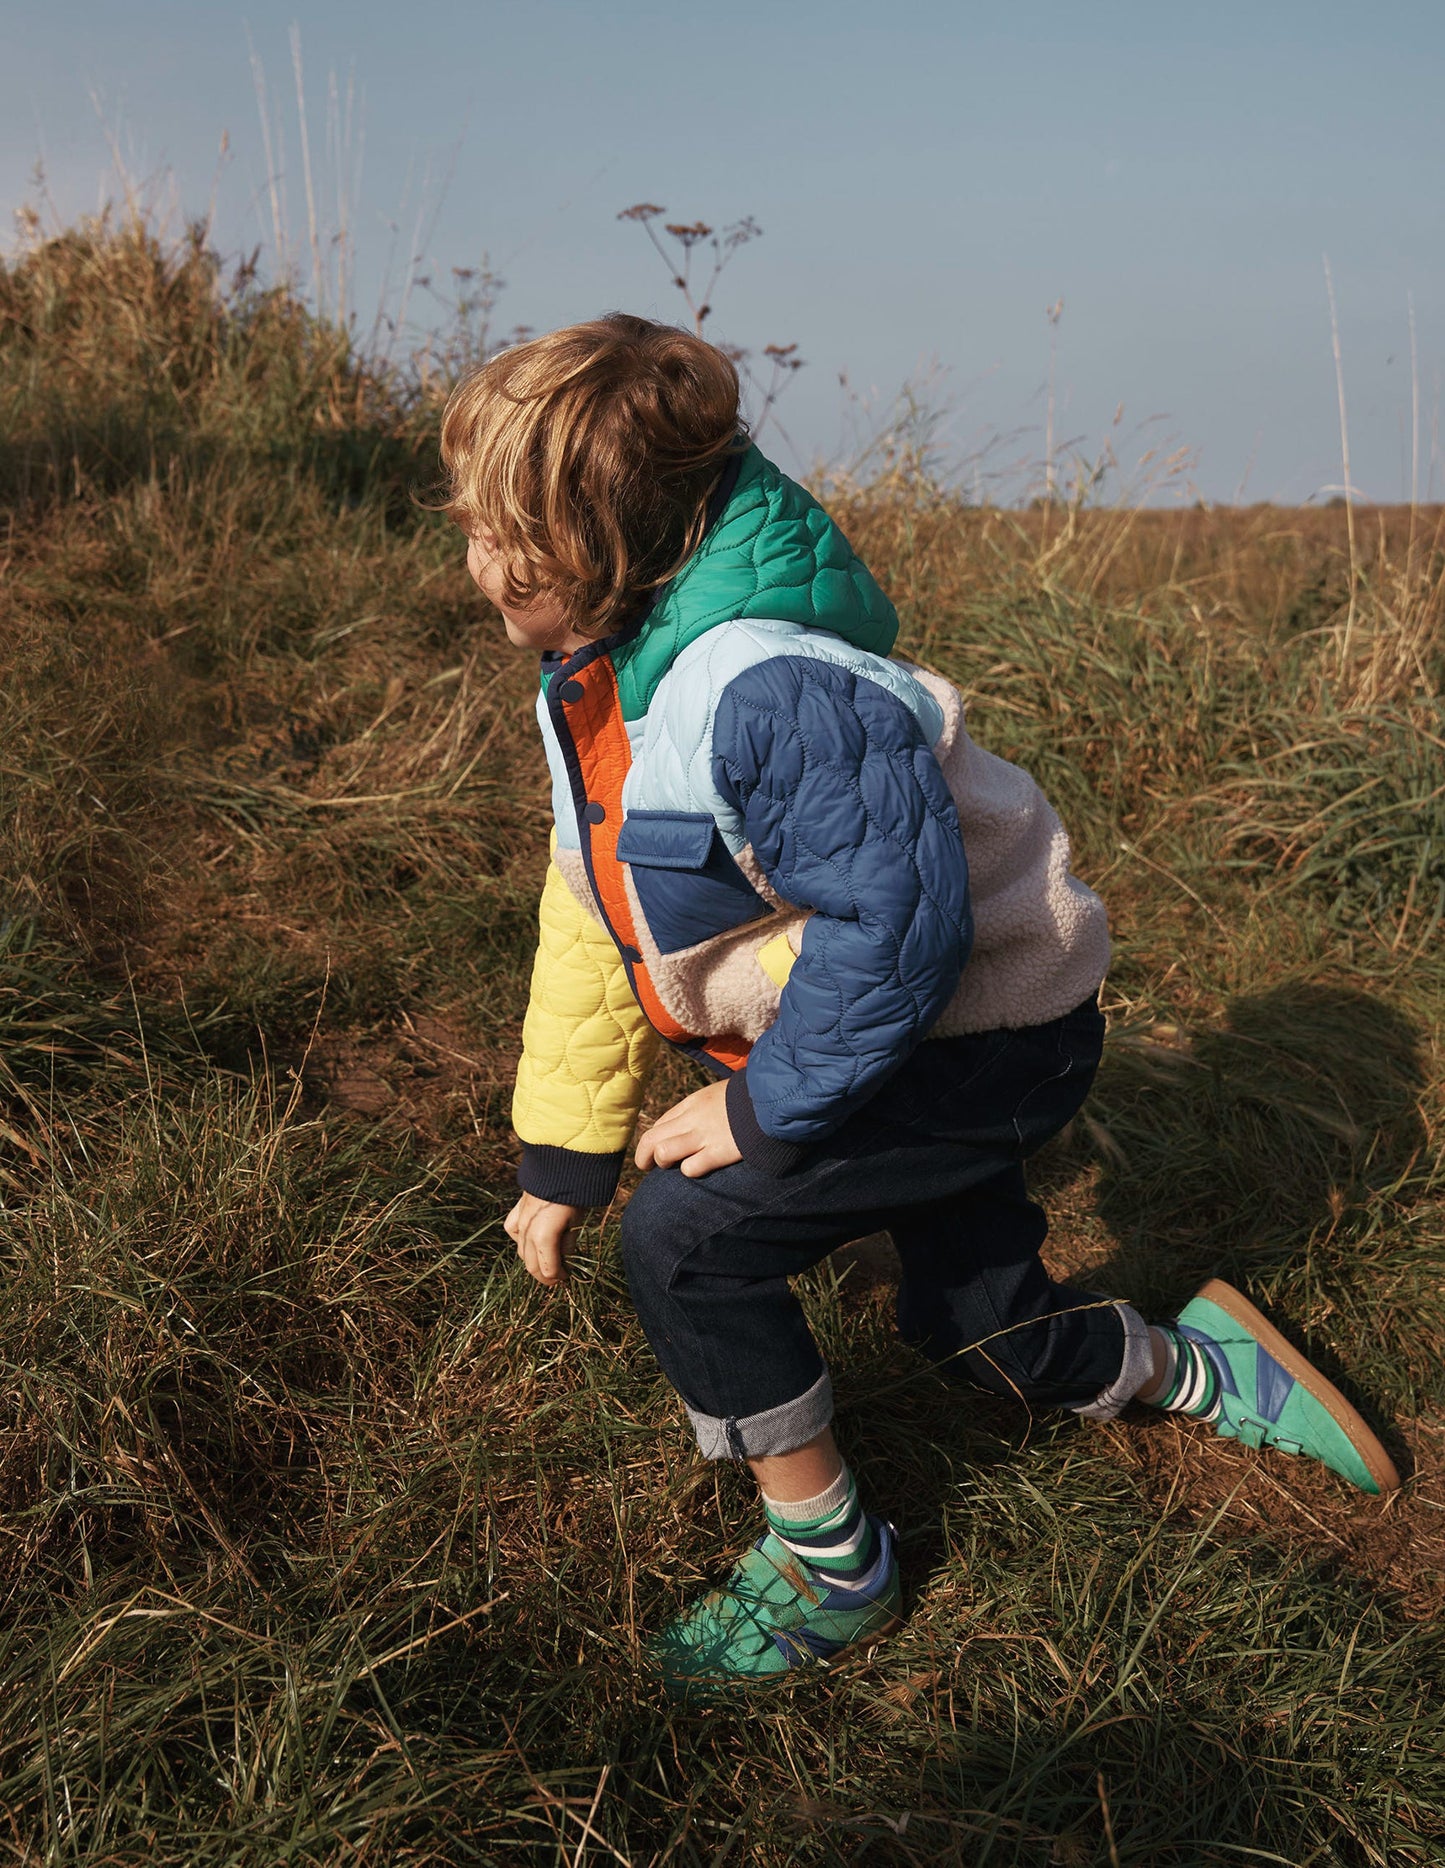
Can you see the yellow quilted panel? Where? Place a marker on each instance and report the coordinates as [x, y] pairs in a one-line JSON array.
[[586, 1045]]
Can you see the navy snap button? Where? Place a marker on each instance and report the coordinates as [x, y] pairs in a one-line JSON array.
[[595, 814], [631, 955], [572, 690]]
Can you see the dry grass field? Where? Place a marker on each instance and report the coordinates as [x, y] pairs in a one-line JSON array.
[[326, 1537]]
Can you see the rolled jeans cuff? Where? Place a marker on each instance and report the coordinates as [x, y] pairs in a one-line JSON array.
[[781, 1429], [1136, 1373]]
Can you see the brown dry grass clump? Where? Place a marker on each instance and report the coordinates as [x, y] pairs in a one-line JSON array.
[[324, 1535]]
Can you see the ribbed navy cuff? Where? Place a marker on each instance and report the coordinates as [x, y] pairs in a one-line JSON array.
[[757, 1147], [568, 1176]]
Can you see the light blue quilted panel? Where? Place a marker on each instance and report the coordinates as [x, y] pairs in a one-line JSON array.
[[563, 815]]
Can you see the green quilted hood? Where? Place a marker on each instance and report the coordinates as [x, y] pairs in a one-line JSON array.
[[773, 552]]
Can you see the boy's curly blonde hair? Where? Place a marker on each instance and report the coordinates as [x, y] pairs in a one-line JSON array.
[[589, 454]]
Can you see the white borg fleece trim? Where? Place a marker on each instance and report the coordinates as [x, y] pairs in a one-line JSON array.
[[1040, 937]]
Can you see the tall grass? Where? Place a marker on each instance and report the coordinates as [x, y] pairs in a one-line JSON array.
[[325, 1536]]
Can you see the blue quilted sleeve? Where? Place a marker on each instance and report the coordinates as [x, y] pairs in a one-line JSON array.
[[849, 815]]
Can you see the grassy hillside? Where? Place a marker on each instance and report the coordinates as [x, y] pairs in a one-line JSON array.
[[325, 1537]]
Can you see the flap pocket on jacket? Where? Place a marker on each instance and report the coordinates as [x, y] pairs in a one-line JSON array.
[[666, 839], [687, 883]]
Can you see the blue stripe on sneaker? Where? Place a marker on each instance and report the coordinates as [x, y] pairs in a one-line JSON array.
[[819, 1646], [1214, 1352], [1272, 1385]]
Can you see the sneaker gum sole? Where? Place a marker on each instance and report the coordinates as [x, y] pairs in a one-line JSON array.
[[1349, 1419]]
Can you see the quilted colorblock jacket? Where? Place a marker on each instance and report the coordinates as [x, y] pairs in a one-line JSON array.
[[777, 849]]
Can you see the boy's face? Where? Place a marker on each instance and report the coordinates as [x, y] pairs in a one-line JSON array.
[[540, 625]]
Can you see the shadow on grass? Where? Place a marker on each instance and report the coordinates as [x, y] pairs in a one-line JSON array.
[[1280, 1150], [1248, 1147]]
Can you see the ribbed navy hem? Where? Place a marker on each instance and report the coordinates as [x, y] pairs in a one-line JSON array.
[[568, 1176], [757, 1147]]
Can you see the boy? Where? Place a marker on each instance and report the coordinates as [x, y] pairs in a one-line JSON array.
[[780, 850]]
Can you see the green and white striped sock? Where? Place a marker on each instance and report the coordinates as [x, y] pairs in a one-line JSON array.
[[1190, 1383], [829, 1535]]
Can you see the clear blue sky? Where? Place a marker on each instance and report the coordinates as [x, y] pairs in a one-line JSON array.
[[930, 177]]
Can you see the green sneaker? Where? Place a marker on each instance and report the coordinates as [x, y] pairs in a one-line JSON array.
[[769, 1618], [1270, 1396]]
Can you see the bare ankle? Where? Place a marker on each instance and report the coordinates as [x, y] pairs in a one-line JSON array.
[[800, 1474]]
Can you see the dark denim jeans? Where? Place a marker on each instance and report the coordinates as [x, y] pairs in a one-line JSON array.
[[936, 1159]]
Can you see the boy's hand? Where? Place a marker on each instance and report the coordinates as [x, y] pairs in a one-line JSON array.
[[694, 1135], [543, 1230]]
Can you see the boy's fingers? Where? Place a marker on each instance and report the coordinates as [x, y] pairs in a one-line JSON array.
[[542, 1270], [534, 1258], [683, 1139], [544, 1253], [659, 1147], [696, 1154], [706, 1159]]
